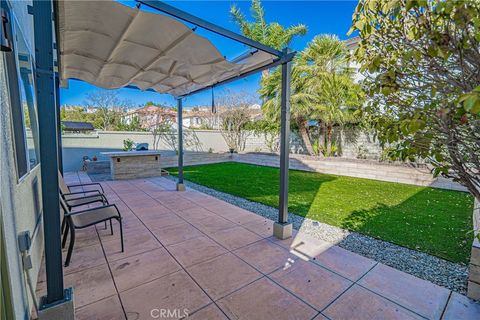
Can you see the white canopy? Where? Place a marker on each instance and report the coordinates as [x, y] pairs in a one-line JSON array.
[[111, 45]]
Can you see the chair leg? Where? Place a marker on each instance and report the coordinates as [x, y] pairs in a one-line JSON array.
[[63, 224], [65, 234], [111, 227], [121, 232], [70, 246], [105, 223]]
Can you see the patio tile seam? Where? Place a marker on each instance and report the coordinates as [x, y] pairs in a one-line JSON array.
[[176, 260], [205, 307], [391, 300], [113, 280], [239, 288], [341, 294], [446, 304]]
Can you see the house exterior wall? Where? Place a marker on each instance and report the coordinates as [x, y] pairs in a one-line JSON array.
[[21, 199]]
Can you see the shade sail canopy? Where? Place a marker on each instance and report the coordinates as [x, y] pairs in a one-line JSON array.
[[112, 45]]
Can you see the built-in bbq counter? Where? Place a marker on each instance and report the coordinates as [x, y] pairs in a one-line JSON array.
[[134, 164]]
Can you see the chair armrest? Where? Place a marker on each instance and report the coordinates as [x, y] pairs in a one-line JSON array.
[[65, 195], [116, 208], [104, 199], [87, 184]]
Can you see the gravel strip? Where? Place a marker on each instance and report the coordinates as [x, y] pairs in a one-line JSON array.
[[444, 273]]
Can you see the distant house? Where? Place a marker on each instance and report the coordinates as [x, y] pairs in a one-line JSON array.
[[150, 116], [201, 117], [77, 126], [352, 45]]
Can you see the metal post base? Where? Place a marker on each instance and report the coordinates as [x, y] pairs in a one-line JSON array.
[[60, 310], [282, 231], [180, 187]]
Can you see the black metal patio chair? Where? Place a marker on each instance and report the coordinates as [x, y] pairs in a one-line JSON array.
[[87, 218], [80, 198]]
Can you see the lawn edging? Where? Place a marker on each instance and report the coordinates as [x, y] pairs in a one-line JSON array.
[[473, 290]]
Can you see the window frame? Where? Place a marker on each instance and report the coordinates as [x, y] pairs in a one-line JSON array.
[[15, 86]]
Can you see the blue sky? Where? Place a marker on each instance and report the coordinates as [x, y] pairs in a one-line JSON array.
[[321, 17]]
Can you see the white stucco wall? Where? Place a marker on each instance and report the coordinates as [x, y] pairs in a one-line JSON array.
[[20, 199]]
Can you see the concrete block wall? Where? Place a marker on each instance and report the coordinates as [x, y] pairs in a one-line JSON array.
[[473, 290], [400, 173]]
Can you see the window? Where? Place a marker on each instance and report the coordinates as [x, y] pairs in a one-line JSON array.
[[22, 98]]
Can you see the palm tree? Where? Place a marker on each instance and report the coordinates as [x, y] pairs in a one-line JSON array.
[[329, 83], [300, 101], [322, 88], [270, 34]]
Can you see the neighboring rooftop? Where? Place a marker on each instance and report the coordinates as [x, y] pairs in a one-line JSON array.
[[77, 126]]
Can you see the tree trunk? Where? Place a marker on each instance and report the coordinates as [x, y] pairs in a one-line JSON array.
[[321, 138], [329, 140], [302, 127]]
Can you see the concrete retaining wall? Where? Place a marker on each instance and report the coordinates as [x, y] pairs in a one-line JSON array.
[[474, 267], [401, 173]]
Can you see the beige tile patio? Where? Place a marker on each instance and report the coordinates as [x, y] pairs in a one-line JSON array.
[[195, 250], [265, 256], [193, 215], [344, 262], [311, 283], [154, 210], [223, 275], [305, 246], [413, 293], [135, 270], [263, 299], [210, 312], [91, 285], [106, 309], [174, 292], [234, 238], [360, 304], [86, 237], [134, 243], [461, 307], [177, 233], [130, 227], [213, 224], [164, 220], [84, 258], [263, 227], [320, 317]]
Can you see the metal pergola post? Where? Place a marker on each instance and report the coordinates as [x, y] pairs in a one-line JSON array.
[[180, 185], [59, 124], [58, 303], [283, 229], [47, 123]]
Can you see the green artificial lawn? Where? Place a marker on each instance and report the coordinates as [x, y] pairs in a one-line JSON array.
[[435, 221]]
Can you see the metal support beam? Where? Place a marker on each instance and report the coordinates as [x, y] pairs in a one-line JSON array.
[[288, 57], [284, 144], [47, 123], [59, 124], [180, 185], [185, 16]]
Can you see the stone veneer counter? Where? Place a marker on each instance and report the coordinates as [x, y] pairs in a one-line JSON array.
[[134, 164]]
